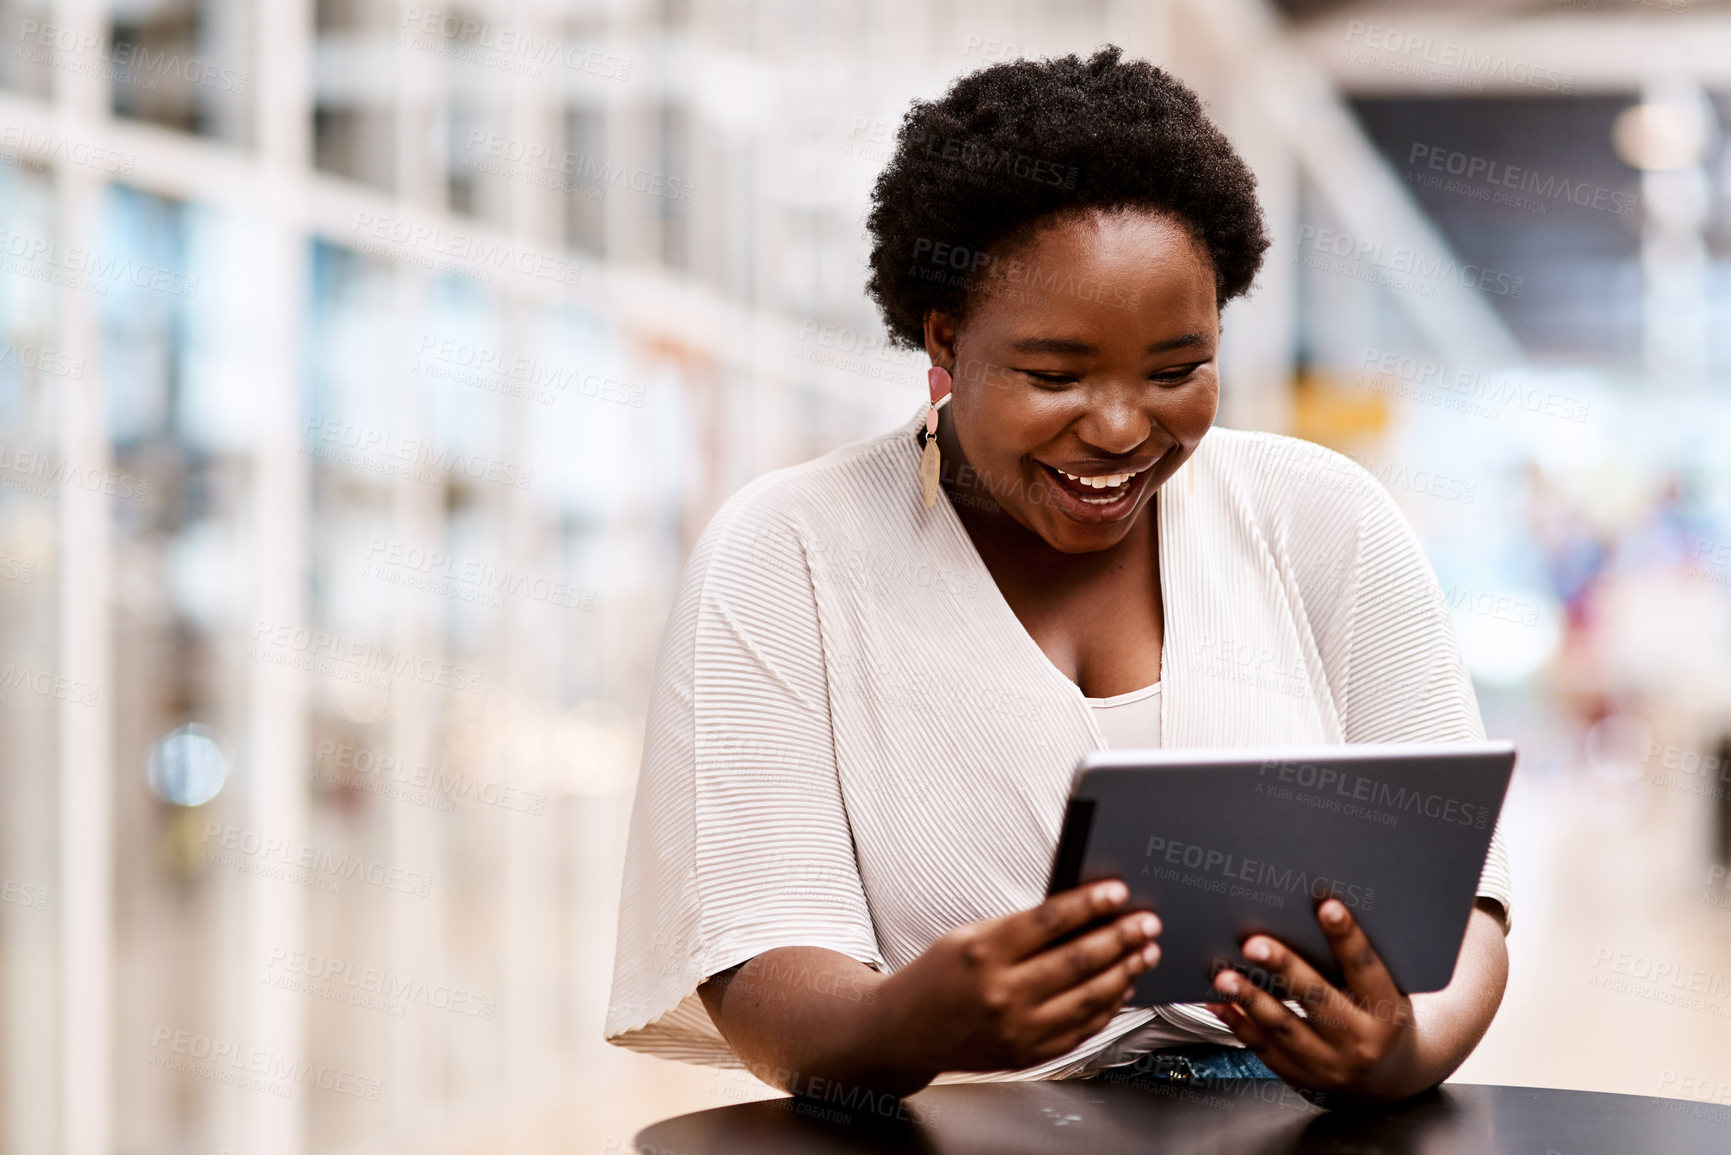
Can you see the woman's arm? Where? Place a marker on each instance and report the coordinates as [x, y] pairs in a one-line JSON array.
[[1366, 1042], [1450, 1022], [800, 1013], [1000, 994]]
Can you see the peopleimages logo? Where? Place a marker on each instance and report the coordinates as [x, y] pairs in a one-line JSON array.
[[368, 987], [1446, 60], [341, 762], [515, 49], [53, 146], [1362, 788], [1231, 868], [540, 380], [252, 1068], [282, 644], [1395, 475], [45, 683], [84, 269], [381, 451], [421, 243], [42, 360], [473, 580], [260, 849], [981, 160], [1521, 180], [42, 474], [1672, 981], [24, 894], [517, 158], [1402, 268], [977, 270], [1467, 386], [132, 64]]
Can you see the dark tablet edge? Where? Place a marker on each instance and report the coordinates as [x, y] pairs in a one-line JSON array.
[[1072, 845]]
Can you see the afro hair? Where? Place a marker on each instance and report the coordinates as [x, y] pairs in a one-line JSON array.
[[1013, 144]]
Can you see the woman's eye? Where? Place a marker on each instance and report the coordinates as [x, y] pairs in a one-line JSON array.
[[1166, 377]]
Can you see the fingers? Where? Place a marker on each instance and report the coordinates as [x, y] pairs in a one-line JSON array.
[[1059, 968], [1362, 967], [1261, 1043], [1347, 1030], [1329, 1011], [1068, 965], [1028, 932], [1099, 998], [1263, 1023]]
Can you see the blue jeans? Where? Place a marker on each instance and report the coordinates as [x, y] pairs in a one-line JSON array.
[[1190, 1063]]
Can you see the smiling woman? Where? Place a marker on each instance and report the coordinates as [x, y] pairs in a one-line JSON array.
[[851, 789]]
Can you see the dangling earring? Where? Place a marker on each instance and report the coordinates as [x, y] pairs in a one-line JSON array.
[[938, 380]]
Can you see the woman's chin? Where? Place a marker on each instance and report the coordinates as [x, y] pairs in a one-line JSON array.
[[1069, 536]]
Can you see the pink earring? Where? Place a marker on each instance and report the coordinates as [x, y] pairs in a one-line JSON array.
[[938, 380]]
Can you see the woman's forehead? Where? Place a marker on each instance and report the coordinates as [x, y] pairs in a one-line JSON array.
[[1147, 313], [1136, 270]]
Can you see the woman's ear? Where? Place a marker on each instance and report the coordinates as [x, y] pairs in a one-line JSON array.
[[941, 339]]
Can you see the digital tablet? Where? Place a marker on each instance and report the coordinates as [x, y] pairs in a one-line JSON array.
[[1223, 844]]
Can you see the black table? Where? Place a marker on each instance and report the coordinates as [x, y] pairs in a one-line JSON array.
[[1231, 1117]]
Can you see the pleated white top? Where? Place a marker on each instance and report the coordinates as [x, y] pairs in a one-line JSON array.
[[854, 744]]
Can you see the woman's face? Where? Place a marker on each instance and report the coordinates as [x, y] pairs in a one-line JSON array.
[[1087, 352]]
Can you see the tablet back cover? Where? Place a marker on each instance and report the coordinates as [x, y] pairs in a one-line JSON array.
[[1226, 844]]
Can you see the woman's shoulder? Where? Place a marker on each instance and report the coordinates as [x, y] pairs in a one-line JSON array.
[[847, 485], [1334, 531], [1330, 525], [1275, 475]]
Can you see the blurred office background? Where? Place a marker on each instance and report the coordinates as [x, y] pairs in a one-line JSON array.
[[367, 370]]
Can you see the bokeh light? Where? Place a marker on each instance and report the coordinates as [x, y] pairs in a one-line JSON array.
[[188, 767]]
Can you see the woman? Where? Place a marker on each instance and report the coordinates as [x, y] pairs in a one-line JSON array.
[[872, 691]]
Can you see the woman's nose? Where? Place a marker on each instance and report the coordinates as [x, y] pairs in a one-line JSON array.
[[1115, 425]]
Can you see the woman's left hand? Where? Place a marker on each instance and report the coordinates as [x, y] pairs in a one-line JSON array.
[[1357, 1044]]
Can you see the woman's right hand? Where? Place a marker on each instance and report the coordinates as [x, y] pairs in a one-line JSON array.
[[1003, 993]]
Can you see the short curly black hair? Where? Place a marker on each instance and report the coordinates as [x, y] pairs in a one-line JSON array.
[[1020, 141]]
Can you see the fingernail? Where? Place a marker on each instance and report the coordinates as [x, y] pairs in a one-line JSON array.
[[1333, 913], [1227, 981], [1113, 892], [1151, 954], [1150, 925], [1256, 950]]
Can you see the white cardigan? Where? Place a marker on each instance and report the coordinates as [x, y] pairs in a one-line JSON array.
[[853, 743]]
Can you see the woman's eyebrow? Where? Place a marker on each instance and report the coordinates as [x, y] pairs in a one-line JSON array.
[[1066, 345], [1051, 345], [1176, 343]]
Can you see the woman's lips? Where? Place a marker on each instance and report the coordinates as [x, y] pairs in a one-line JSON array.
[[1088, 504]]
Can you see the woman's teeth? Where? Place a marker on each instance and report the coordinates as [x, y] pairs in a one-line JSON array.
[[1111, 486], [1107, 481]]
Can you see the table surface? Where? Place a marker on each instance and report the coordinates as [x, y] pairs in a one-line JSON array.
[[1232, 1117]]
